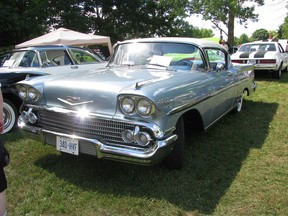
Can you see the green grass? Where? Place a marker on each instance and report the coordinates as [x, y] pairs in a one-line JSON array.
[[239, 167]]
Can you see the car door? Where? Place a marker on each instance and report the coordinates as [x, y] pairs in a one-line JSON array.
[[283, 55], [223, 82]]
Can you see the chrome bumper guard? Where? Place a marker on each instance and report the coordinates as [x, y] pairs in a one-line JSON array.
[[148, 156]]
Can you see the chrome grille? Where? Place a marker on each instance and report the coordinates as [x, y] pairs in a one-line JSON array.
[[104, 130]]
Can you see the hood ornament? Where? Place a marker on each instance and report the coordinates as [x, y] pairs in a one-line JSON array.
[[74, 101]]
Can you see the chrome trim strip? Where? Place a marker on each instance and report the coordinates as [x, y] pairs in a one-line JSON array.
[[187, 105], [74, 104]]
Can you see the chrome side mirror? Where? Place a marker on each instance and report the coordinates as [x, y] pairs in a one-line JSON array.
[[220, 66]]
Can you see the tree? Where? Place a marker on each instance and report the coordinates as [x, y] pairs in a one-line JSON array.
[[125, 19], [21, 20], [184, 29], [119, 19], [260, 34], [242, 39], [69, 14], [283, 29], [226, 11]]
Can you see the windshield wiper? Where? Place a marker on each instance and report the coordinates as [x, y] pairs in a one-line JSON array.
[[158, 66]]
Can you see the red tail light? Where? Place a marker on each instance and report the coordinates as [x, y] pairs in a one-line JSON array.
[[238, 61], [267, 61]]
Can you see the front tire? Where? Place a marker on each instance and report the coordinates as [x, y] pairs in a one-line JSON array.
[[239, 104], [176, 157], [9, 115]]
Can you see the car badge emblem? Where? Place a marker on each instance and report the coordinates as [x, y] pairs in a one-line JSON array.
[[73, 101]]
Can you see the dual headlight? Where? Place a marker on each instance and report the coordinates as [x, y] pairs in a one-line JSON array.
[[28, 93], [131, 104]]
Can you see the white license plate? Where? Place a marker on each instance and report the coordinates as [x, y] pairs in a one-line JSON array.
[[252, 61], [68, 145]]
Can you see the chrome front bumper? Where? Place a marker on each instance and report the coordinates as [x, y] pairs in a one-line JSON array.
[[130, 154]]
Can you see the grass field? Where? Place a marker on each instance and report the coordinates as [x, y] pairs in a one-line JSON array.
[[239, 167]]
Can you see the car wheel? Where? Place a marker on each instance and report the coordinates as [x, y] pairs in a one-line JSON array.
[[175, 159], [278, 73], [239, 104], [285, 70], [9, 115]]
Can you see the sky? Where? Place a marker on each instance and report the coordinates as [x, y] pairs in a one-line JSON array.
[[271, 16]]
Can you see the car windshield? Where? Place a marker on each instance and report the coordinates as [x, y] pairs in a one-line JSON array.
[[257, 47], [158, 55], [25, 58]]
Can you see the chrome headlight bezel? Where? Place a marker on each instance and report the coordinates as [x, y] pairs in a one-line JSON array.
[[28, 93], [22, 92], [140, 105], [127, 105], [144, 107], [33, 94]]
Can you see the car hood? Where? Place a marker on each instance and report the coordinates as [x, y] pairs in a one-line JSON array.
[[97, 90]]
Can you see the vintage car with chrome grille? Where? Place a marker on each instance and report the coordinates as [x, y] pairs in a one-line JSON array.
[[266, 56], [138, 108]]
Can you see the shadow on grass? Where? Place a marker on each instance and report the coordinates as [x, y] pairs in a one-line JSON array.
[[212, 162], [266, 76]]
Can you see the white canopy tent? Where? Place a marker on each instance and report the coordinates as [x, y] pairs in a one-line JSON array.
[[67, 37]]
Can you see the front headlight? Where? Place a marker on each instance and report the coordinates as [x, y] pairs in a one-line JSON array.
[[33, 94], [127, 105], [144, 107], [22, 92], [28, 93], [136, 104]]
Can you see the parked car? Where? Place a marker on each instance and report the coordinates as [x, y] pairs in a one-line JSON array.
[[136, 109], [36, 61], [265, 55]]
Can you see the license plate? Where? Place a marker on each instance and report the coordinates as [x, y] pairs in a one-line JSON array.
[[68, 145], [252, 61]]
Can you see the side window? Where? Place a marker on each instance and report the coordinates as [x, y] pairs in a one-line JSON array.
[[216, 58], [82, 57], [58, 57], [54, 58], [46, 62]]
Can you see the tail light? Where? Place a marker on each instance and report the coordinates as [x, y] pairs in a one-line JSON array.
[[267, 61], [239, 61]]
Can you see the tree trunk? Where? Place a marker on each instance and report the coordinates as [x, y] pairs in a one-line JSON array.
[[231, 19]]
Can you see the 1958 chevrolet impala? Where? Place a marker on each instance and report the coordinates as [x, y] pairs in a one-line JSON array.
[[135, 110]]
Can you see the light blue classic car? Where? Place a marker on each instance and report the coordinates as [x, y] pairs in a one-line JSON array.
[[136, 109]]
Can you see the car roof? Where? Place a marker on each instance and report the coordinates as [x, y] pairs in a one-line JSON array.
[[46, 47], [261, 42], [195, 41]]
